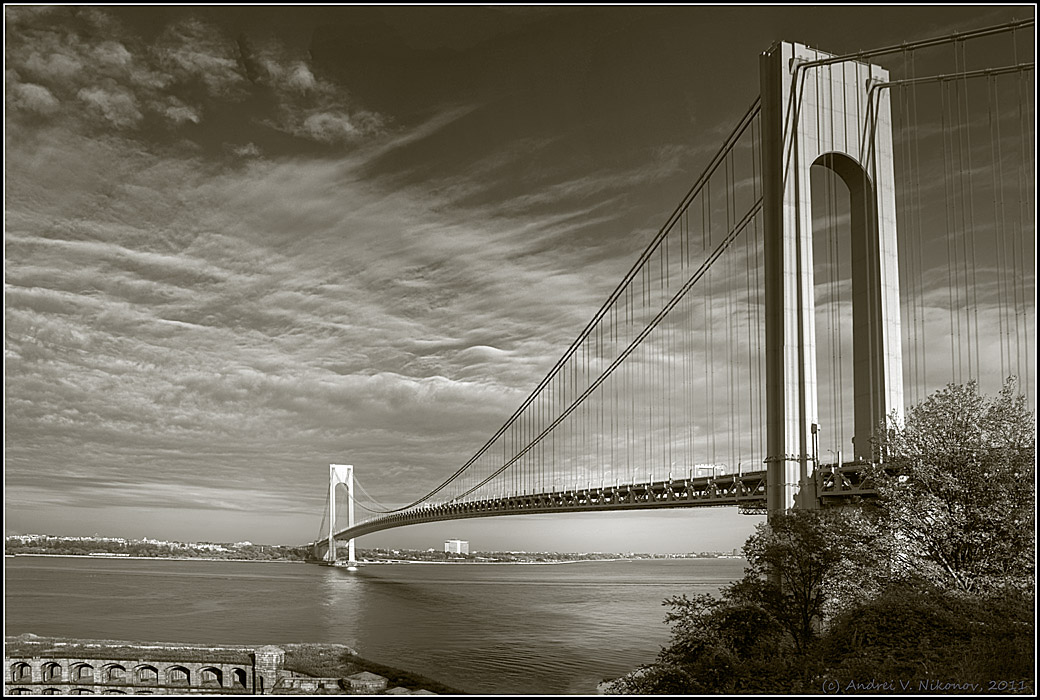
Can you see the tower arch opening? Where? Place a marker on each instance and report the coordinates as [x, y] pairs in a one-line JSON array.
[[849, 318]]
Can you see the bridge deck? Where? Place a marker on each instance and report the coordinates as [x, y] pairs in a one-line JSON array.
[[746, 491]]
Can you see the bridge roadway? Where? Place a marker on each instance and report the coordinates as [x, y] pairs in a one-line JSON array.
[[747, 491]]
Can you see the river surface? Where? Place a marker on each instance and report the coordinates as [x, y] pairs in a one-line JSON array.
[[481, 628]]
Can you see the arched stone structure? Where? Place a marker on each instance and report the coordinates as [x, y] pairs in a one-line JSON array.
[[146, 674], [825, 114], [211, 677], [21, 673], [224, 670], [53, 672], [239, 677], [178, 675], [113, 673], [82, 673]]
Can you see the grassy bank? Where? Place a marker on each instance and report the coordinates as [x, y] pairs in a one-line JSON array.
[[337, 661]]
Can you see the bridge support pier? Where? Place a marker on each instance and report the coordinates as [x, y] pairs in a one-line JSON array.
[[341, 474], [816, 112]]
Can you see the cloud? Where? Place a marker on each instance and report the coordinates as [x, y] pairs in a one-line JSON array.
[[111, 56], [177, 111], [309, 309], [328, 127], [56, 67], [116, 106], [32, 98], [191, 70], [293, 76], [307, 106], [191, 50], [258, 320]]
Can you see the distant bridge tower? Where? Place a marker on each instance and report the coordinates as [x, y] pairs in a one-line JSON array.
[[341, 474], [820, 112]]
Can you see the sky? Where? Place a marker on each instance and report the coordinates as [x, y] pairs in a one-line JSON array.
[[244, 243]]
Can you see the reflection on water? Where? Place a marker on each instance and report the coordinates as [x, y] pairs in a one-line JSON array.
[[521, 629], [480, 628]]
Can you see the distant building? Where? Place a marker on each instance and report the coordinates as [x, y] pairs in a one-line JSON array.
[[456, 547]]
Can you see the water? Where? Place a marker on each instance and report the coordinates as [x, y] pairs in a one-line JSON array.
[[522, 629]]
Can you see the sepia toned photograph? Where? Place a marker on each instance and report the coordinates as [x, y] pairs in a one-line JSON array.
[[520, 350]]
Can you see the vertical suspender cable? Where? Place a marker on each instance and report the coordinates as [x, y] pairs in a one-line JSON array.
[[969, 258], [1027, 191], [711, 338], [921, 336], [949, 235], [960, 245], [998, 216], [748, 242], [728, 281]]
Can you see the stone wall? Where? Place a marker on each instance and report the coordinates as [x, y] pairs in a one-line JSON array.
[[149, 670]]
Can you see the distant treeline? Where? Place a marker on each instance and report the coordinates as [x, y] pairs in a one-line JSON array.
[[525, 557], [134, 548]]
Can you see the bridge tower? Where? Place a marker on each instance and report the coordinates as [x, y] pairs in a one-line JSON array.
[[341, 474], [817, 111]]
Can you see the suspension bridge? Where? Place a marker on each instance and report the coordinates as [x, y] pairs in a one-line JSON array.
[[862, 237]]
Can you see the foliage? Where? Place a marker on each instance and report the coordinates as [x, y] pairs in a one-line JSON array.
[[957, 489], [759, 635], [913, 630], [933, 584], [659, 679], [799, 564]]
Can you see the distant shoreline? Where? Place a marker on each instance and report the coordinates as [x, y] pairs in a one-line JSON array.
[[119, 556], [362, 563], [293, 561], [508, 563]]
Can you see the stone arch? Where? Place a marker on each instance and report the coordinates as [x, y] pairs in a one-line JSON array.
[[238, 677], [82, 673], [21, 672], [146, 674], [52, 671], [211, 677], [178, 675], [113, 673], [18, 691]]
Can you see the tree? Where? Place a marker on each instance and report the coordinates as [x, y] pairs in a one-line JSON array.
[[759, 635], [806, 563], [956, 489], [719, 645]]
